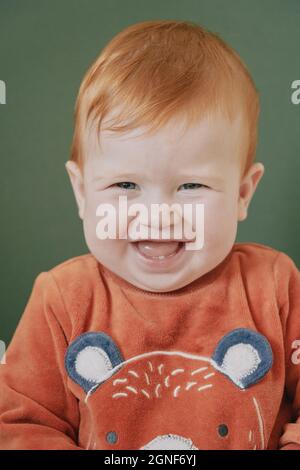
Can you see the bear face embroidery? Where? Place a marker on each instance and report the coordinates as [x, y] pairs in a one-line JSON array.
[[172, 399]]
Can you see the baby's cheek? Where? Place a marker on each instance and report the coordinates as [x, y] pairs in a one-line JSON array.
[[90, 228], [220, 225]]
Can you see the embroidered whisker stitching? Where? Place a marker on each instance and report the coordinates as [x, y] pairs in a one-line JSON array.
[[116, 381], [119, 394], [150, 366], [176, 391], [177, 371], [189, 385], [198, 370], [159, 368], [250, 436], [132, 389], [156, 389], [204, 386], [132, 372], [147, 378], [166, 381], [209, 375], [145, 393], [151, 353]]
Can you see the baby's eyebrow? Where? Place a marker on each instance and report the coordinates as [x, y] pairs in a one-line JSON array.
[[114, 175], [199, 176], [190, 177]]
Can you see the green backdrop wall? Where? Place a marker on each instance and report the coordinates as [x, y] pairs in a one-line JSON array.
[[45, 48]]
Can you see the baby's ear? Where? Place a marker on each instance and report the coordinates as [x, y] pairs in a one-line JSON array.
[[247, 188], [243, 355], [90, 358], [76, 179]]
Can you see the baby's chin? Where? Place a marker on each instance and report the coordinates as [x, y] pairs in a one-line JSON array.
[[159, 282], [158, 276], [155, 281], [160, 287]]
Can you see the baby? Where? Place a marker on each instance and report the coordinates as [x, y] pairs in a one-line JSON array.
[[150, 341]]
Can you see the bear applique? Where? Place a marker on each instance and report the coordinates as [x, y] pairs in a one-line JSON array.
[[172, 399]]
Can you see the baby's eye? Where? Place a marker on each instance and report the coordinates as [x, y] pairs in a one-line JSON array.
[[192, 186], [126, 185]]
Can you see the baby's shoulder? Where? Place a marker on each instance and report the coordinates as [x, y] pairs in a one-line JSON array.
[[76, 276], [72, 287], [255, 249], [74, 266], [257, 255], [261, 262], [73, 277]]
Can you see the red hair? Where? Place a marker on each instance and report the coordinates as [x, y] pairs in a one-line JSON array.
[[155, 70]]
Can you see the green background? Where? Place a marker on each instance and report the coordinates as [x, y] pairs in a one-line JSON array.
[[45, 48]]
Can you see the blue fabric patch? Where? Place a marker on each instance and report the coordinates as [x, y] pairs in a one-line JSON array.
[[96, 339], [257, 341], [111, 437]]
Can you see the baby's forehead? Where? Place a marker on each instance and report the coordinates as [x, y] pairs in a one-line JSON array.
[[206, 130], [209, 141]]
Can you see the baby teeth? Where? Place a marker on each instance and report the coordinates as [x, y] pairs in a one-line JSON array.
[[159, 257]]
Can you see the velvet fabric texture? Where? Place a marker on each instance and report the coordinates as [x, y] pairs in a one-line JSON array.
[[97, 363]]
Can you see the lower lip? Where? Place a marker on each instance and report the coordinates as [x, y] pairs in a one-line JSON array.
[[166, 262]]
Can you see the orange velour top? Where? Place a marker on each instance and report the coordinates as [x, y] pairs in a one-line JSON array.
[[97, 363]]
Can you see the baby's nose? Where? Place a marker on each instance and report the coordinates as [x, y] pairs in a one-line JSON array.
[[164, 219], [161, 225]]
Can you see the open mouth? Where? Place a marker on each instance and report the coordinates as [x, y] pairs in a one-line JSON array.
[[159, 253]]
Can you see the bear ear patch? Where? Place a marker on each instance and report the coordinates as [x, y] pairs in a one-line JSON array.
[[90, 357], [244, 355]]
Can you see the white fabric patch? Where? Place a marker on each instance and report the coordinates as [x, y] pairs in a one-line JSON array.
[[240, 361], [92, 363], [170, 442]]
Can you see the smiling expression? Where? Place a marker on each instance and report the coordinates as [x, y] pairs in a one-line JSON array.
[[203, 165]]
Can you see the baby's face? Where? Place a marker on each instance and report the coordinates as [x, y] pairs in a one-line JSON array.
[[201, 166]]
